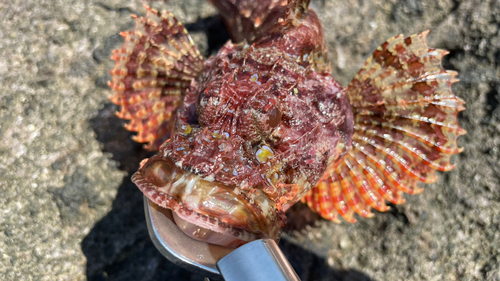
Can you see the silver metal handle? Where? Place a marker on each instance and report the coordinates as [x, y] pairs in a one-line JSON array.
[[260, 260]]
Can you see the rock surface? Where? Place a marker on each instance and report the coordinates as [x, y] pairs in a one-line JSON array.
[[70, 212]]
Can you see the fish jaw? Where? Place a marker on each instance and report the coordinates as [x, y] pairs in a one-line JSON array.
[[207, 210]]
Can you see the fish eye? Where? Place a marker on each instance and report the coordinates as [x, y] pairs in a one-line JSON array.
[[274, 117]]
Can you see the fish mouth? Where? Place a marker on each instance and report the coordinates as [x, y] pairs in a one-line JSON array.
[[207, 210]]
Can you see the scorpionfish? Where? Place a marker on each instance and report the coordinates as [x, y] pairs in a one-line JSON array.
[[245, 134]]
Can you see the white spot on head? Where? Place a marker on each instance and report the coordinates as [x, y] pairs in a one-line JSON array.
[[265, 207]]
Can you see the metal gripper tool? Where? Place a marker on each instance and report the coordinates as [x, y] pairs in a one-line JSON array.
[[260, 260]]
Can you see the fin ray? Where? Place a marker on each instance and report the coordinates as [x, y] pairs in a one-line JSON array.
[[405, 128], [153, 70]]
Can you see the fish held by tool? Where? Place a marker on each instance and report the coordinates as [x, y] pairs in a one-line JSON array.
[[247, 133]]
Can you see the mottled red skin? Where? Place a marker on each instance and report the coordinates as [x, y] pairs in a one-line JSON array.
[[229, 121], [274, 94]]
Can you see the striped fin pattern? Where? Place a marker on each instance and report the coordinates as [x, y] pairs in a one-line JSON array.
[[405, 128], [153, 70]]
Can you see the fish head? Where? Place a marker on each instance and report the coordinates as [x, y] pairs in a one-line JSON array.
[[258, 128]]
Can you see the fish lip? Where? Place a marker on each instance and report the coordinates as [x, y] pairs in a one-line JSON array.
[[265, 220]]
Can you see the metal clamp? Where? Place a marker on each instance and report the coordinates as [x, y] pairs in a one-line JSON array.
[[258, 260]]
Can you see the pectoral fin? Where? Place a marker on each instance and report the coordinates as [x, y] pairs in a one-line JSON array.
[[153, 70], [405, 128]]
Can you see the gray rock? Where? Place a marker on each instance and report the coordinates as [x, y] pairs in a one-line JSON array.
[[70, 212]]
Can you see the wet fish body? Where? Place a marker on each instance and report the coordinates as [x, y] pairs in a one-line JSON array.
[[244, 135]]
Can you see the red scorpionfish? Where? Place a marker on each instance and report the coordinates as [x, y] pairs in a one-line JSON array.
[[243, 135]]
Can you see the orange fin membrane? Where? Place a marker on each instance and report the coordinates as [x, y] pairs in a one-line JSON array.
[[153, 69], [405, 128]]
